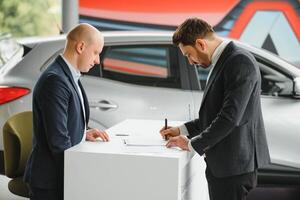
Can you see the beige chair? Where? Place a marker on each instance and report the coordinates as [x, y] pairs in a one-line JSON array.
[[17, 140]]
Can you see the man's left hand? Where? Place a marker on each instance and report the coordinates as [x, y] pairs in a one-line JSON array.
[[93, 134], [178, 141]]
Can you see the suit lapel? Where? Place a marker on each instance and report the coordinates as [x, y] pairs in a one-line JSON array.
[[218, 67], [67, 71]]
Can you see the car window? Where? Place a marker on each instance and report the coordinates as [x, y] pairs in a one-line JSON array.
[[9, 49], [155, 66], [273, 82]]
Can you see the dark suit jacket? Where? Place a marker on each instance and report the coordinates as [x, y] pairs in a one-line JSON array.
[[58, 124], [230, 129]]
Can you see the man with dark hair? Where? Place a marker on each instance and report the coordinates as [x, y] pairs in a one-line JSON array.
[[229, 132]]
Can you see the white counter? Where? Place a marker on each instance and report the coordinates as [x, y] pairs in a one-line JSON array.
[[112, 170]]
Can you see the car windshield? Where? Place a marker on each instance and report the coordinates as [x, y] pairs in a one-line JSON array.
[[8, 49]]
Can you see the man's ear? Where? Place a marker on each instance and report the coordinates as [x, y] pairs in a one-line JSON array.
[[200, 43], [80, 47]]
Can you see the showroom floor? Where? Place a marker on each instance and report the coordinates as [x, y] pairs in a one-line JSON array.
[[285, 193], [4, 192]]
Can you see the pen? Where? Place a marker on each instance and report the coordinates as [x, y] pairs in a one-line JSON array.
[[166, 126], [120, 134]]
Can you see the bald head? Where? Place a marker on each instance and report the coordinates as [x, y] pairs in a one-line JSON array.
[[84, 32], [83, 47]]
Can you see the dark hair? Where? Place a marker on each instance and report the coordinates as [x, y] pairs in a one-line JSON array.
[[190, 30]]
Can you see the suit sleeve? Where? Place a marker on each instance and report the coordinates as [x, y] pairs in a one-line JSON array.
[[240, 78], [54, 99], [193, 127]]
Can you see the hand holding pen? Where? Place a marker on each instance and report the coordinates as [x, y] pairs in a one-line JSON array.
[[168, 131]]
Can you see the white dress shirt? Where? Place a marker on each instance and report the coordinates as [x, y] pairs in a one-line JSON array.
[[214, 59]]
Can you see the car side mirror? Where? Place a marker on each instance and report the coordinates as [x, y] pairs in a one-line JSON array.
[[297, 87]]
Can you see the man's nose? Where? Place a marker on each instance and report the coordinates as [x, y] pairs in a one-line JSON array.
[[97, 60]]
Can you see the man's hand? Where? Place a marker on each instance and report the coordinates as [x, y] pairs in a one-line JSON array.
[[169, 132], [93, 134], [179, 141]]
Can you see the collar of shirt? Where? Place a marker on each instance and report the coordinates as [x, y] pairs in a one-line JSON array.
[[75, 73], [216, 55], [218, 51]]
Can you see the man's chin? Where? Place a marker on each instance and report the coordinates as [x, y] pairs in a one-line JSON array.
[[86, 70]]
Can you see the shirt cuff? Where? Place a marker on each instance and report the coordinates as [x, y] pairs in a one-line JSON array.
[[183, 130], [84, 136], [191, 149]]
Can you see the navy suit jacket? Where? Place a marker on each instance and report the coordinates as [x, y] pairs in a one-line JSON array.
[[230, 128], [58, 124]]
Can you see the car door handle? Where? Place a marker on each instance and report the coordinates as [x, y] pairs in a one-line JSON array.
[[102, 105]]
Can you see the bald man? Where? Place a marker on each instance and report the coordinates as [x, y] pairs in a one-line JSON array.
[[61, 113]]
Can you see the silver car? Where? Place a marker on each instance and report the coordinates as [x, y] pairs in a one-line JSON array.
[[142, 75]]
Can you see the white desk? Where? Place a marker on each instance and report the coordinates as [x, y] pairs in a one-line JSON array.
[[114, 171]]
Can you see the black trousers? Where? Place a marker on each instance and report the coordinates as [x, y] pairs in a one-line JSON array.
[[230, 188], [45, 194]]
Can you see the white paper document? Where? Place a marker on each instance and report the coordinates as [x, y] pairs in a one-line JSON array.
[[142, 141]]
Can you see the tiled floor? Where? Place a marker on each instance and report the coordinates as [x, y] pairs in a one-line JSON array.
[[5, 194]]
